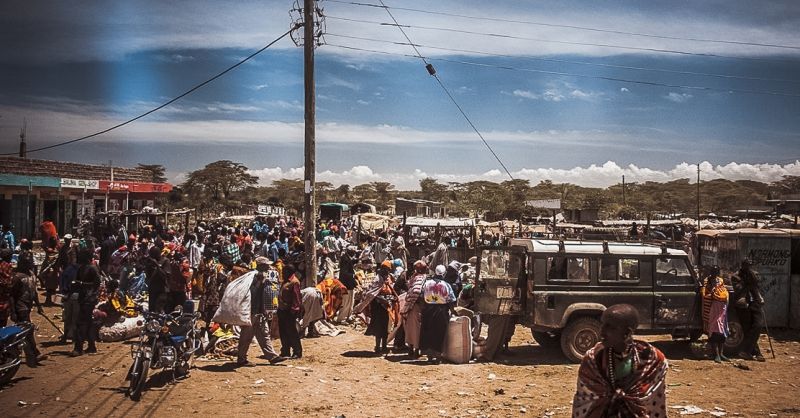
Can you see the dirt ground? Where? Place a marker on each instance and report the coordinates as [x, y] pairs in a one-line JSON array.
[[339, 376]]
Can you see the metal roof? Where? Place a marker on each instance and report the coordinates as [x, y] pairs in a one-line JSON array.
[[591, 247]]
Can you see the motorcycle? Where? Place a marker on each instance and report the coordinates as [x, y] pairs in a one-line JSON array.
[[168, 342], [12, 339]]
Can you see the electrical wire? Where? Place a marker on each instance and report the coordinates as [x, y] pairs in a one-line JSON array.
[[173, 100], [585, 28], [565, 74], [523, 38], [453, 99], [560, 61]]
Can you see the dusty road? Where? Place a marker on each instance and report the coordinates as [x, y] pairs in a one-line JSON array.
[[340, 376]]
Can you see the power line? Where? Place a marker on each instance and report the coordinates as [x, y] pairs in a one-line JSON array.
[[585, 28], [565, 74], [560, 61], [523, 38], [432, 72], [182, 95]]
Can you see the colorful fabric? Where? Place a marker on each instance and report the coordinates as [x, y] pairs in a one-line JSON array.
[[715, 303], [233, 251], [414, 290], [333, 292], [641, 394], [437, 292]]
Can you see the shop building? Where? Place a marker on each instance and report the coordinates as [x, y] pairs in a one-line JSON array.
[[33, 191]]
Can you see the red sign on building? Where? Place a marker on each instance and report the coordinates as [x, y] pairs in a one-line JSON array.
[[134, 187]]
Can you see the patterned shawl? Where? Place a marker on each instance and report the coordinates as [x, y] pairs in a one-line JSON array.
[[642, 394]]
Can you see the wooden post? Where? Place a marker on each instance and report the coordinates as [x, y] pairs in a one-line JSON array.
[[309, 214]]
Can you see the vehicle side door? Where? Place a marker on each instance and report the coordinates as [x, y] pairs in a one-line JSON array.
[[675, 292]]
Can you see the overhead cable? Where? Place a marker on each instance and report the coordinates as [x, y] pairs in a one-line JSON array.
[[584, 28], [432, 72], [171, 101], [565, 74], [560, 61], [524, 38]]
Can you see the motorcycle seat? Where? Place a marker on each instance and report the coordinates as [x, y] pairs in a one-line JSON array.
[[178, 339], [9, 332]]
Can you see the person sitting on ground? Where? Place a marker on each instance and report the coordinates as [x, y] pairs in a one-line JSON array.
[[621, 376]]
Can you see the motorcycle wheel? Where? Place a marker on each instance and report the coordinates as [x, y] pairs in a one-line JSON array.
[[5, 377], [140, 368]]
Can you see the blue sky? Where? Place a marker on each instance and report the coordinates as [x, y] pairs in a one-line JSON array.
[[71, 71]]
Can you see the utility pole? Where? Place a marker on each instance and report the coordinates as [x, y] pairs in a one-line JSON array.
[[309, 214], [698, 197], [623, 190]]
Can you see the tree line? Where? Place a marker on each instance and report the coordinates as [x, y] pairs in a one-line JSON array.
[[227, 186]]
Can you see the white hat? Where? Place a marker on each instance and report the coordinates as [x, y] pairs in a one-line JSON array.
[[68, 236], [440, 270]]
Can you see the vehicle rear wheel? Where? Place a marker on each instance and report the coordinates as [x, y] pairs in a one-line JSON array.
[[546, 339], [578, 337]]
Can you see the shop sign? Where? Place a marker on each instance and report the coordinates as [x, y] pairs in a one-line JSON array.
[[80, 184]]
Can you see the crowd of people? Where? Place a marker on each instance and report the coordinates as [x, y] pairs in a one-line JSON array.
[[372, 280]]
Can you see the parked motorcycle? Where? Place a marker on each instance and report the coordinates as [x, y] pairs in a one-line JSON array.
[[168, 342], [12, 339]]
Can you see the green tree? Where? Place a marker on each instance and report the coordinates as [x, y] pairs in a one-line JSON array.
[[156, 170], [217, 181]]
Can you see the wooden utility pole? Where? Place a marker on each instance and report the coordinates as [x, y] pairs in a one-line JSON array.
[[309, 214], [623, 191], [698, 197]]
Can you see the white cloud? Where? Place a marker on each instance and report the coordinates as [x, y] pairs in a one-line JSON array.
[[552, 95], [259, 87], [603, 175], [362, 102], [624, 89], [678, 97], [525, 94]]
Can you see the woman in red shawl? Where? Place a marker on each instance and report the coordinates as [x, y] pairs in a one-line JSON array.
[[620, 376]]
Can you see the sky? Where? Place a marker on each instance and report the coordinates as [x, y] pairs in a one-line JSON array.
[[570, 91]]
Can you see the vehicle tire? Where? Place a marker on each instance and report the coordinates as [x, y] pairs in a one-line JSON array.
[[579, 336], [141, 367], [5, 377], [546, 340], [735, 336]]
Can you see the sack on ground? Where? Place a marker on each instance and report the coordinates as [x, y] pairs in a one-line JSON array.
[[121, 331], [234, 308], [458, 342]]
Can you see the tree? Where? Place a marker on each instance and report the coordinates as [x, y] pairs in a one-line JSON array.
[[156, 170], [433, 190], [218, 181]]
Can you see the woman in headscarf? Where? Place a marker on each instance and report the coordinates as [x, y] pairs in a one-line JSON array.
[[439, 303], [715, 312], [381, 300], [412, 309]]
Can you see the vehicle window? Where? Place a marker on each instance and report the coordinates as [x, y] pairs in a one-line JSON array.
[[573, 269], [673, 272], [500, 264], [621, 269]]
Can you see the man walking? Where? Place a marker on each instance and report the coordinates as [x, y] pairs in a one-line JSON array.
[[263, 303]]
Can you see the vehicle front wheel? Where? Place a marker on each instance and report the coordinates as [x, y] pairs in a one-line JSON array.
[[578, 337], [735, 336], [138, 377]]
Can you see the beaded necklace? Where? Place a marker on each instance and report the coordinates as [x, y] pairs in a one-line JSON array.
[[612, 355]]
